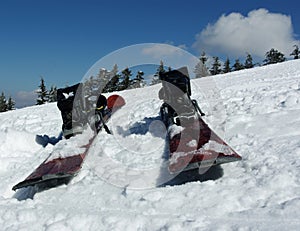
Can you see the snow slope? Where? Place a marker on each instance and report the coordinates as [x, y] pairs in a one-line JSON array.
[[256, 111]]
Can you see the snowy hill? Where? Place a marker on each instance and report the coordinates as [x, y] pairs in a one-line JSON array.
[[256, 111]]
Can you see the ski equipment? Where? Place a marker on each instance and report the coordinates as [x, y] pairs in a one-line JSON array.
[[192, 143], [54, 172]]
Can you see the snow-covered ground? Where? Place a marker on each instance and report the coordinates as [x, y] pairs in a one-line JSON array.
[[256, 111]]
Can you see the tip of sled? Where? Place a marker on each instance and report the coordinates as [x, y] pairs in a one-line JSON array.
[[115, 101]]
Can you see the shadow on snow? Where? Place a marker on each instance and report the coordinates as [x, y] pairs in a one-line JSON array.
[[153, 125], [213, 173]]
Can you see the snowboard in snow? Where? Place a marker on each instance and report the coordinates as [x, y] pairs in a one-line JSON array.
[[192, 143], [54, 172], [197, 146]]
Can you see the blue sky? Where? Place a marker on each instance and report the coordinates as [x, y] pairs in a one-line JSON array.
[[61, 40]]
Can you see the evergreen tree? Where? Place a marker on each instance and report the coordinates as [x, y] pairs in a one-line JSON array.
[[52, 97], [200, 68], [42, 93], [215, 69], [249, 62], [102, 79], [237, 65], [125, 83], [274, 56], [114, 70], [203, 58], [295, 52], [138, 81], [10, 104], [159, 71], [113, 84], [3, 104], [114, 80], [227, 67]]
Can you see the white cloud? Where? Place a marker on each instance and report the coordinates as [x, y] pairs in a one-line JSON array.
[[25, 98], [183, 46], [234, 34], [162, 50], [172, 56]]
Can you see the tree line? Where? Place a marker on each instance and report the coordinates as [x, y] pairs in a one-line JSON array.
[[105, 81], [115, 80], [110, 81], [44, 95], [271, 57], [6, 104]]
